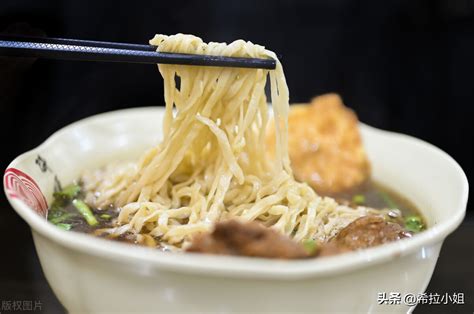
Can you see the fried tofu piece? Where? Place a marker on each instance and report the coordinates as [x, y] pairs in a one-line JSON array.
[[325, 146]]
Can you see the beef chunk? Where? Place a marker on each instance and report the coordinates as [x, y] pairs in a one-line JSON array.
[[362, 233], [247, 239]]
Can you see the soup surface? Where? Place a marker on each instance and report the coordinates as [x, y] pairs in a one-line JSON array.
[[70, 212]]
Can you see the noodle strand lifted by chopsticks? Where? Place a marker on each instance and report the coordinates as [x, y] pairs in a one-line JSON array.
[[212, 164]]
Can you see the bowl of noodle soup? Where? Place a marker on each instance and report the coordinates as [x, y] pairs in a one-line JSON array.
[[198, 145]]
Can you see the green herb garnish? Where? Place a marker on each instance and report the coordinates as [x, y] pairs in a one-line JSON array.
[[66, 227], [310, 246], [85, 211], [59, 217], [69, 192], [105, 216], [358, 199], [414, 223]]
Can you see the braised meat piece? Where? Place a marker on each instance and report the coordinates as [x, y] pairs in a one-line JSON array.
[[247, 239], [362, 233], [252, 239]]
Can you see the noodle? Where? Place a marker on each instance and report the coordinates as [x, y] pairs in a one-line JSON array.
[[212, 163]]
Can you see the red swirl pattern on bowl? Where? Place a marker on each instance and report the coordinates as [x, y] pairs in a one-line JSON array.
[[20, 185]]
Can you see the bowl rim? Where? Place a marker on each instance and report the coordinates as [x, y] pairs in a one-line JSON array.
[[236, 266]]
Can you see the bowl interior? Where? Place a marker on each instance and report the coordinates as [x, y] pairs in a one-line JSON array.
[[421, 172]]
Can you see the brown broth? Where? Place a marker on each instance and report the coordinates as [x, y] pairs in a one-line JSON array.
[[375, 196], [373, 193]]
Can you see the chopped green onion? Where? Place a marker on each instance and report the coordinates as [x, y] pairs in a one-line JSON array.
[[388, 200], [358, 199], [69, 192], [85, 211], [414, 223], [66, 227], [56, 219], [105, 216], [310, 246], [55, 213]]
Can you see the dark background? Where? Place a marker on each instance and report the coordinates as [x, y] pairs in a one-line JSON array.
[[405, 66]]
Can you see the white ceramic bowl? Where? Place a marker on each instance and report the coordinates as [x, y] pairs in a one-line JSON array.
[[92, 275]]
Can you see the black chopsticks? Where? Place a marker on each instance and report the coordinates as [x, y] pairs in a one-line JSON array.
[[87, 50]]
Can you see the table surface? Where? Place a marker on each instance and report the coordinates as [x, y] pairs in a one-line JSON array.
[[21, 278]]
